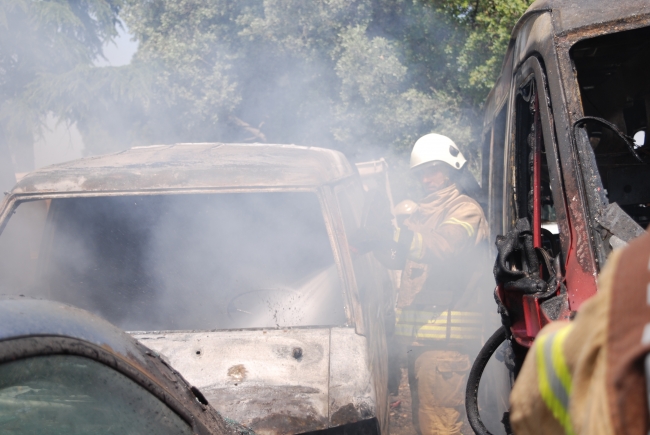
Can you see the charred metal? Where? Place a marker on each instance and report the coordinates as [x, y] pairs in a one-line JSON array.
[[303, 355]]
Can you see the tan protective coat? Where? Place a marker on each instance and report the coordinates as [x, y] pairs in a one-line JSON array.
[[452, 225], [604, 352], [442, 275]]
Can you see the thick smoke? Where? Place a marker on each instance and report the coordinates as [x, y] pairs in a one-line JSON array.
[[276, 72], [179, 262]]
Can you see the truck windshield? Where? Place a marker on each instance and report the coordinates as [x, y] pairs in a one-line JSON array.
[[612, 72], [178, 262]]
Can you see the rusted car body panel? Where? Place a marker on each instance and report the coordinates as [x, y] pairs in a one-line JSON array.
[[255, 376], [33, 328], [282, 376], [546, 33]]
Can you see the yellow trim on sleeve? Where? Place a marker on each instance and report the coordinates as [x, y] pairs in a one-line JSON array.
[[468, 227], [553, 376]]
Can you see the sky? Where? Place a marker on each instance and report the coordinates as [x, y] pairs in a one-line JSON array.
[[120, 51]]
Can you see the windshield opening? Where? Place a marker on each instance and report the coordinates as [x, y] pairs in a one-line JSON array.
[[612, 72], [178, 262]]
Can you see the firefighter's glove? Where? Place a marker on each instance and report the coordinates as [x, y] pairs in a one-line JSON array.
[[404, 239], [393, 255], [367, 239]]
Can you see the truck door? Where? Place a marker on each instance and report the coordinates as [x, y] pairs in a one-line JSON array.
[[534, 190]]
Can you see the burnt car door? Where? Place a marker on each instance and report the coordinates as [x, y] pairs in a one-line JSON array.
[[540, 272], [535, 193]]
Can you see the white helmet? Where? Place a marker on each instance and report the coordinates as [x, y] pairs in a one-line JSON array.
[[436, 148]]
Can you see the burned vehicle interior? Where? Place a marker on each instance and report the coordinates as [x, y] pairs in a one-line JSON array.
[[179, 262], [612, 73]]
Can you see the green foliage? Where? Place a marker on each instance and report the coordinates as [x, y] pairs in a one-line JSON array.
[[364, 76], [40, 40], [482, 53]]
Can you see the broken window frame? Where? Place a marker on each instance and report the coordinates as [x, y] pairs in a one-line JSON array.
[[494, 177], [532, 70], [532, 74], [609, 220]]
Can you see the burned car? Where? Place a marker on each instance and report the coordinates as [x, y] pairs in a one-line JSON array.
[[66, 371], [232, 261], [566, 158]]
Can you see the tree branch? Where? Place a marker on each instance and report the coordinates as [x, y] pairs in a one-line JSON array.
[[257, 133]]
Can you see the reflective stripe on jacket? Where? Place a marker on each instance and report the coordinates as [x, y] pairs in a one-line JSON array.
[[421, 324], [553, 376]]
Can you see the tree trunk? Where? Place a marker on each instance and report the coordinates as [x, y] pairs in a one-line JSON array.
[[21, 147], [7, 174]]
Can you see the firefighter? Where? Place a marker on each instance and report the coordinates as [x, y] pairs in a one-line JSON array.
[[588, 376], [438, 308]]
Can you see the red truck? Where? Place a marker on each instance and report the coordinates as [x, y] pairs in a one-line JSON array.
[[565, 162]]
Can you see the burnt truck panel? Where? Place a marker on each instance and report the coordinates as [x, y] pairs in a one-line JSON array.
[[550, 46], [275, 380], [191, 166], [288, 380], [565, 163], [231, 260]]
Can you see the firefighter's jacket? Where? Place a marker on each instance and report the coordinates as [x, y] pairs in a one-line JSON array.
[[439, 292], [587, 376]]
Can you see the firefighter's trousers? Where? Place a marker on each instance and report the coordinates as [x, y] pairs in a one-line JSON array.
[[437, 379]]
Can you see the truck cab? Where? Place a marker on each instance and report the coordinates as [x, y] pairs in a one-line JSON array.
[[231, 261], [565, 146], [565, 170]]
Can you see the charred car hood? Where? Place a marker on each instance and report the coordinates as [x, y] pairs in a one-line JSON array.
[[275, 381]]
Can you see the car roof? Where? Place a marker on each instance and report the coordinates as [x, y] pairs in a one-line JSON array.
[[575, 17], [570, 15], [23, 317], [192, 166]]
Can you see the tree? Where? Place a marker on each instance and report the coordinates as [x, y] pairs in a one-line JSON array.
[[40, 41], [345, 74], [364, 76]]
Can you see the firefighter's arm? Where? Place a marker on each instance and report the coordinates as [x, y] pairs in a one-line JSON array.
[[561, 386], [459, 229], [529, 414]]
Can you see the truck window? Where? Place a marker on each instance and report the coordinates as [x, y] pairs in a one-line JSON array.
[[530, 194], [178, 262], [612, 74]]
